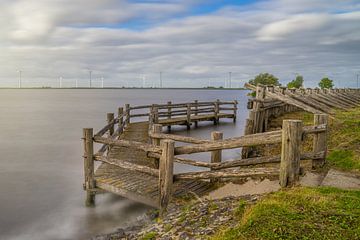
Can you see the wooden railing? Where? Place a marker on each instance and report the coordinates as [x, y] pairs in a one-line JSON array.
[[109, 137], [290, 138]]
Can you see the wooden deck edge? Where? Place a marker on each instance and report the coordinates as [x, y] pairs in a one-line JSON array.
[[129, 195]]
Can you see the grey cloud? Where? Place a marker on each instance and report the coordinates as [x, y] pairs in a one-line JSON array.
[[314, 39]]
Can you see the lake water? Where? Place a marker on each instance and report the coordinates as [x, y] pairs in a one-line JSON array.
[[41, 168]]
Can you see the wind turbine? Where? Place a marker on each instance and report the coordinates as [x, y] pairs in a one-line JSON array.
[[102, 82], [19, 71], [60, 82]]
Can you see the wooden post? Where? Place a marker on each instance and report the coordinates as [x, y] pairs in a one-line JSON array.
[[89, 166], [196, 112], [258, 113], [216, 111], [290, 152], [121, 119], [235, 110], [110, 118], [245, 152], [169, 114], [156, 114], [151, 118], [156, 128], [319, 143], [216, 155], [127, 114], [188, 116], [166, 173]]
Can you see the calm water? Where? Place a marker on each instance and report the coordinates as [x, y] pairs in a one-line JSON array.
[[41, 169]]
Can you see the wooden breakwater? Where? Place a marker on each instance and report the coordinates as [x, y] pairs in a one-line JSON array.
[[273, 101]]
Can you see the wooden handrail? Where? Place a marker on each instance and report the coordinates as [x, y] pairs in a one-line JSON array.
[[126, 143], [247, 172], [128, 165], [107, 127], [315, 129], [178, 138]]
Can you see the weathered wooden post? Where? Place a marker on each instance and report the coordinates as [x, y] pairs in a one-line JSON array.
[[319, 142], [169, 114], [290, 152], [110, 119], [156, 129], [166, 173], [258, 113], [151, 118], [216, 155], [127, 114], [188, 116], [156, 114], [89, 166], [255, 122], [121, 119], [216, 111], [196, 111], [235, 110]]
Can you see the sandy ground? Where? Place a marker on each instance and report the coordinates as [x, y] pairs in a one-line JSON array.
[[251, 187], [333, 178], [341, 180]]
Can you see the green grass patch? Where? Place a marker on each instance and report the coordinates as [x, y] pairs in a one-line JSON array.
[[300, 213], [344, 159], [344, 140], [149, 236]]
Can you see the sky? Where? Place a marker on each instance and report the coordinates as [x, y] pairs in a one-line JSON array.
[[193, 43]]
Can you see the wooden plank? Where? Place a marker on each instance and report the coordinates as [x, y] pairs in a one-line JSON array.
[[244, 141], [240, 173]]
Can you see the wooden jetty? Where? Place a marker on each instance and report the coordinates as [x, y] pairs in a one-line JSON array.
[[130, 156], [137, 159]]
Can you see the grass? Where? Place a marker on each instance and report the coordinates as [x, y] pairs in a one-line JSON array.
[[344, 140], [149, 236], [300, 213]]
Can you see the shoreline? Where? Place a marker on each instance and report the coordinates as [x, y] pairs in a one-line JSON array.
[[127, 88]]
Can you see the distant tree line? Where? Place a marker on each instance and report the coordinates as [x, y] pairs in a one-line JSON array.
[[298, 82]]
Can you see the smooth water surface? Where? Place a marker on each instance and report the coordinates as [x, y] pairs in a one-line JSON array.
[[41, 168]]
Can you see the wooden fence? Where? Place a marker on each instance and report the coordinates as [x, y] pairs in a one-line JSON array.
[[163, 148], [159, 115]]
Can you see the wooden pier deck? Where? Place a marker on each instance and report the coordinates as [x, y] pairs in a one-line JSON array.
[[134, 185]]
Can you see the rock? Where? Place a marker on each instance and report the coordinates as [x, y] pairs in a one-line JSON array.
[[343, 180]]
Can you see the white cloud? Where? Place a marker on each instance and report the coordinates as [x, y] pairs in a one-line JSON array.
[[52, 38]]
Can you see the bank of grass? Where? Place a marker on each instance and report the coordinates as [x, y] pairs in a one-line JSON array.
[[343, 138], [300, 213]]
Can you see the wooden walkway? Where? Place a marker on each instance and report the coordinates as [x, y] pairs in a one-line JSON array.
[[134, 185], [116, 174]]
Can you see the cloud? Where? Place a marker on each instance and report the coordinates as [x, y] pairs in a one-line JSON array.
[[47, 39]]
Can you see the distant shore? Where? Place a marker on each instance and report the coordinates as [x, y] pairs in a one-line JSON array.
[[137, 88]]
